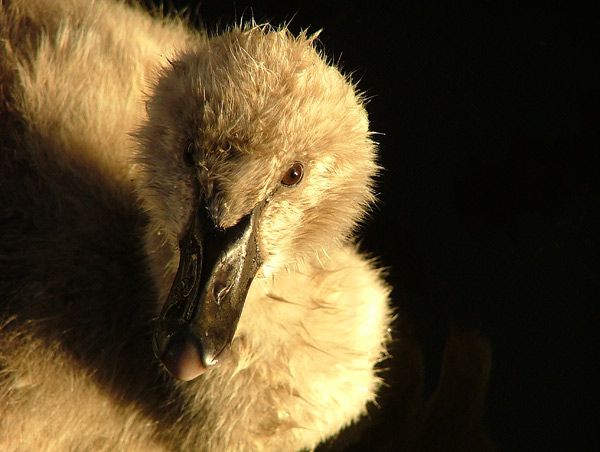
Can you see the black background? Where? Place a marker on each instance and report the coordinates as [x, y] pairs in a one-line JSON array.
[[488, 121]]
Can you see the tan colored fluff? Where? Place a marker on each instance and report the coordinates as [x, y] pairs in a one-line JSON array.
[[99, 102]]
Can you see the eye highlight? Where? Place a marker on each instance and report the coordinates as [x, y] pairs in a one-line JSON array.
[[293, 175]]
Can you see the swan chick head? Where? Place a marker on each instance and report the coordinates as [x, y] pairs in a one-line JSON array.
[[255, 127]]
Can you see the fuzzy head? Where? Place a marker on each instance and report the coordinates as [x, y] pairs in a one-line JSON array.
[[243, 108], [251, 120]]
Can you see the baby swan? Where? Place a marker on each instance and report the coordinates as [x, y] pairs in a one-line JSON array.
[[191, 198]]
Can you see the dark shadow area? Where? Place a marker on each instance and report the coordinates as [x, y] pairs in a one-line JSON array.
[[89, 296]]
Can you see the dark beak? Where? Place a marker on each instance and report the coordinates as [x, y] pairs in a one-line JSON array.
[[200, 316]]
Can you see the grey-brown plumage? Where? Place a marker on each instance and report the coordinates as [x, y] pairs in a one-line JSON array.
[[130, 146]]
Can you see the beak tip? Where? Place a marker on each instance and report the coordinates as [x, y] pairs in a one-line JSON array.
[[183, 358]]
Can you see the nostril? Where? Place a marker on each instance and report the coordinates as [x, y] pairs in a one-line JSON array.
[[220, 291], [183, 358], [190, 276]]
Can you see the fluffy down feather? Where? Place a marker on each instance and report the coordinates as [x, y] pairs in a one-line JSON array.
[[99, 103]]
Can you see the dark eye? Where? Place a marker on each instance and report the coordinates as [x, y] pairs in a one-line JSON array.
[[188, 155], [293, 175]]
